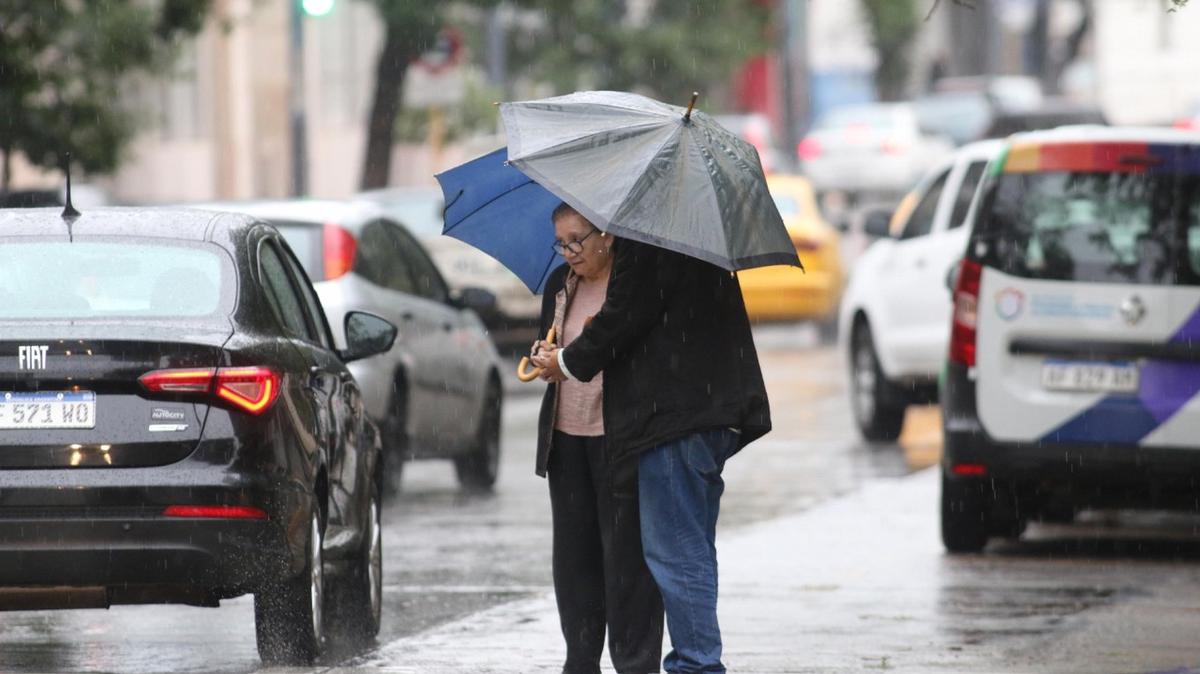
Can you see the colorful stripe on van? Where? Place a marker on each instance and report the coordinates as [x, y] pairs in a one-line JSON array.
[[1093, 157]]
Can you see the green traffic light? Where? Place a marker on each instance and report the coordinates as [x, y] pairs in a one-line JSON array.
[[317, 7]]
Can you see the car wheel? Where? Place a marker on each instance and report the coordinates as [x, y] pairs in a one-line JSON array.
[[478, 468], [395, 438], [876, 412], [965, 515], [289, 616], [357, 601]]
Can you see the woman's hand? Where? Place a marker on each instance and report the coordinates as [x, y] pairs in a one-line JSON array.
[[539, 346], [547, 359]]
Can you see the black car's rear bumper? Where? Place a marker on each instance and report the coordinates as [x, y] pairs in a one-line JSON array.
[[84, 537], [1060, 474]]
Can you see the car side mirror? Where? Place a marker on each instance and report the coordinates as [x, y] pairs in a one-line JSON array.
[[482, 302], [877, 224], [366, 335]]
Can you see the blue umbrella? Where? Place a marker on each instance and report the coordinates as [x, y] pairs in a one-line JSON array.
[[502, 212]]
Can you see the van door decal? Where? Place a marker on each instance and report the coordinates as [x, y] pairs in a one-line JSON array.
[[1165, 387]]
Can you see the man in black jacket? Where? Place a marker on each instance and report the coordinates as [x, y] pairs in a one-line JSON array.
[[682, 392]]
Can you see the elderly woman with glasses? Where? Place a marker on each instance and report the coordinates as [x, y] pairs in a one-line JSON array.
[[600, 575]]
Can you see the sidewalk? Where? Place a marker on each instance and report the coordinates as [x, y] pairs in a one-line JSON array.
[[798, 594], [861, 583]]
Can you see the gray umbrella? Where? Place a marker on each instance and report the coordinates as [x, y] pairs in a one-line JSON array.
[[651, 172]]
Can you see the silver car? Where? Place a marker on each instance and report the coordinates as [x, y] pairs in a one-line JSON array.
[[420, 210], [437, 392], [876, 149]]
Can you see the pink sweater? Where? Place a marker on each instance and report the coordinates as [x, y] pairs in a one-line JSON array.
[[580, 408]]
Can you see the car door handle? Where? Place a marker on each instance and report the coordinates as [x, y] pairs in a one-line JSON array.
[[447, 327], [407, 316], [919, 263]]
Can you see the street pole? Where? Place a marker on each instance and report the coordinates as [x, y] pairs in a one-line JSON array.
[[796, 108], [496, 52], [296, 103]]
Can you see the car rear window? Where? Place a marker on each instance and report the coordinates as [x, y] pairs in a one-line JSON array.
[[875, 117], [89, 279], [306, 242], [1098, 227], [422, 215]]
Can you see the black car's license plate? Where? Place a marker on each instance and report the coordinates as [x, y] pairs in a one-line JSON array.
[[47, 409]]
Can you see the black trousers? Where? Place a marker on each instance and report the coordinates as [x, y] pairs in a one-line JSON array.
[[600, 574]]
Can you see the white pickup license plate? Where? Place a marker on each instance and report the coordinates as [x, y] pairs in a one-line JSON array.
[[47, 409], [1106, 377]]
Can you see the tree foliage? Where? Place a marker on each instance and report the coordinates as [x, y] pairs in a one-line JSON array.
[[62, 66], [411, 27], [894, 25], [571, 44], [673, 49]]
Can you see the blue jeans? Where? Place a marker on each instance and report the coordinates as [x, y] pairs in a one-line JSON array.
[[679, 487]]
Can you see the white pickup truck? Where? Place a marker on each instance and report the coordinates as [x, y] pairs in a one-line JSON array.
[[894, 320]]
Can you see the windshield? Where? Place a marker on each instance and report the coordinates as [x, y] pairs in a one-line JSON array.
[[420, 214], [80, 280], [873, 116], [306, 242], [962, 117], [1095, 227], [787, 205]]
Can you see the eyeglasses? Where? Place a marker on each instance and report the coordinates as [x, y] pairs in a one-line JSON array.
[[576, 247]]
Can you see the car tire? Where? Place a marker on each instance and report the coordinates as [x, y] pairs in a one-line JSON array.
[[396, 441], [965, 515], [357, 599], [289, 616], [878, 414], [479, 468]]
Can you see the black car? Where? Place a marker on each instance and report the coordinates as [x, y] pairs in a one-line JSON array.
[[177, 427]]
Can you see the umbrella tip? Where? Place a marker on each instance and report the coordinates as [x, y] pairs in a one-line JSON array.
[[687, 117]]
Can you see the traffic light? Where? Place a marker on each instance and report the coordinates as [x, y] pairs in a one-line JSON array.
[[317, 8]]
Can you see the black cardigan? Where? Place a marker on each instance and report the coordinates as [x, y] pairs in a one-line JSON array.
[[674, 343]]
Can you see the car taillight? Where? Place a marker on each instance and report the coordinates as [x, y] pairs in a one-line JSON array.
[[339, 246], [215, 511], [253, 389], [250, 389], [178, 381], [894, 147], [969, 469], [808, 149], [966, 312]]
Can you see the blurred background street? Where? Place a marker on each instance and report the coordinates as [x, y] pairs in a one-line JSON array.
[[879, 124]]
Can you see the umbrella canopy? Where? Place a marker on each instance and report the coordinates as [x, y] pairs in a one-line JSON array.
[[652, 172], [501, 211], [632, 166]]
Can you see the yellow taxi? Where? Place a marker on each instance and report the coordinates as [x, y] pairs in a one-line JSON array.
[[786, 293]]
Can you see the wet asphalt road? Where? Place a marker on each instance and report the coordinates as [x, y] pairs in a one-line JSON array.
[[450, 553]]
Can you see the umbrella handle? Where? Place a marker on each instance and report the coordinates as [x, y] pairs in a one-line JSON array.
[[530, 375], [688, 116]]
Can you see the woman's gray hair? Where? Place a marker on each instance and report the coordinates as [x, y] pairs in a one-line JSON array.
[[562, 210]]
